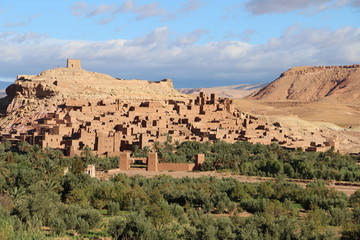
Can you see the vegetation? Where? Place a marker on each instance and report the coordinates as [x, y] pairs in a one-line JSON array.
[[263, 160], [37, 201]]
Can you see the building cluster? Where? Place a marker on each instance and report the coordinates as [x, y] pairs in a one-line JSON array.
[[109, 127]]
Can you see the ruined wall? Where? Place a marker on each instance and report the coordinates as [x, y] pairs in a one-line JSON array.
[[176, 166], [152, 162], [124, 162]]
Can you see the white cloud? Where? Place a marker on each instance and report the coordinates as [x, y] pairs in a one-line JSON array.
[[150, 10], [156, 56], [355, 3], [110, 10], [260, 7], [23, 23], [191, 5], [158, 37], [79, 8], [192, 37], [127, 6], [101, 9]]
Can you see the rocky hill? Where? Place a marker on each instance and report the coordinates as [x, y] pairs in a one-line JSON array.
[[312, 84], [73, 83], [33, 96], [233, 91]]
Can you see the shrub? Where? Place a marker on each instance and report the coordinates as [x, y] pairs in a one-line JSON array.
[[82, 226], [91, 216], [113, 208], [58, 225]]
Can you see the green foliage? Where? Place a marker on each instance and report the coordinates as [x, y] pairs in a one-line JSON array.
[[136, 226], [261, 160], [82, 226], [355, 199], [113, 208], [35, 193]]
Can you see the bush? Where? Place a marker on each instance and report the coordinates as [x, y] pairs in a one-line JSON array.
[[355, 199], [91, 216], [58, 225], [113, 208], [136, 226], [82, 226], [117, 227]]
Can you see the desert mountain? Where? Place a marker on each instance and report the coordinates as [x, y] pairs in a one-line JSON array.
[[79, 84], [312, 84], [33, 96], [232, 91]]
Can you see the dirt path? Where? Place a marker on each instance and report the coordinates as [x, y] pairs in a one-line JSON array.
[[345, 187]]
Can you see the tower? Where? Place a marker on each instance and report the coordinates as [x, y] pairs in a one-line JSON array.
[[74, 63]]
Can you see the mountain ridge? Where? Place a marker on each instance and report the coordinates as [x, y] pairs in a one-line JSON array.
[[313, 84]]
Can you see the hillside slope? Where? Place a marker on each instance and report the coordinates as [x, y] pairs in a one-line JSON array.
[[312, 84], [33, 96]]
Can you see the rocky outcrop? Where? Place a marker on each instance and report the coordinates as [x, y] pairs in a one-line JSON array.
[[312, 84], [32, 96], [29, 89], [72, 83]]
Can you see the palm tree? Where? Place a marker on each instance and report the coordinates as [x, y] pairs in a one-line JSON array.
[[37, 156], [16, 193], [4, 171], [25, 147], [87, 155], [51, 184]]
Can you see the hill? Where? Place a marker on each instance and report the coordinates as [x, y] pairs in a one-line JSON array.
[[79, 84], [233, 91], [313, 84]]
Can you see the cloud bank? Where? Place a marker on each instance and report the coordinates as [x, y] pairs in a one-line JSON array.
[[260, 7], [156, 55]]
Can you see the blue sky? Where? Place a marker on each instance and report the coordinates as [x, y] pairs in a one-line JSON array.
[[197, 43]]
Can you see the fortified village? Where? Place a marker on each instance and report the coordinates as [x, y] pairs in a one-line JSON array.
[[41, 113]]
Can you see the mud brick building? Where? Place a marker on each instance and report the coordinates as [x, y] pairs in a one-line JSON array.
[[109, 126]]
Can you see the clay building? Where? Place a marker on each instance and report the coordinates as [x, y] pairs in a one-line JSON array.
[[110, 126], [116, 126]]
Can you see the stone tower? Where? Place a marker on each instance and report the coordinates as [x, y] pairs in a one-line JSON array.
[[74, 63], [152, 161]]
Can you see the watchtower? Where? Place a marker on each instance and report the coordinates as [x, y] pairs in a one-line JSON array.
[[73, 63]]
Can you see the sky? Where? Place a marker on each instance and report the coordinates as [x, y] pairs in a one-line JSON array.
[[197, 43]]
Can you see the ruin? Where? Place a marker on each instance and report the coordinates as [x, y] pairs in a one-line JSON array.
[[151, 163], [116, 125], [112, 126], [73, 63]]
